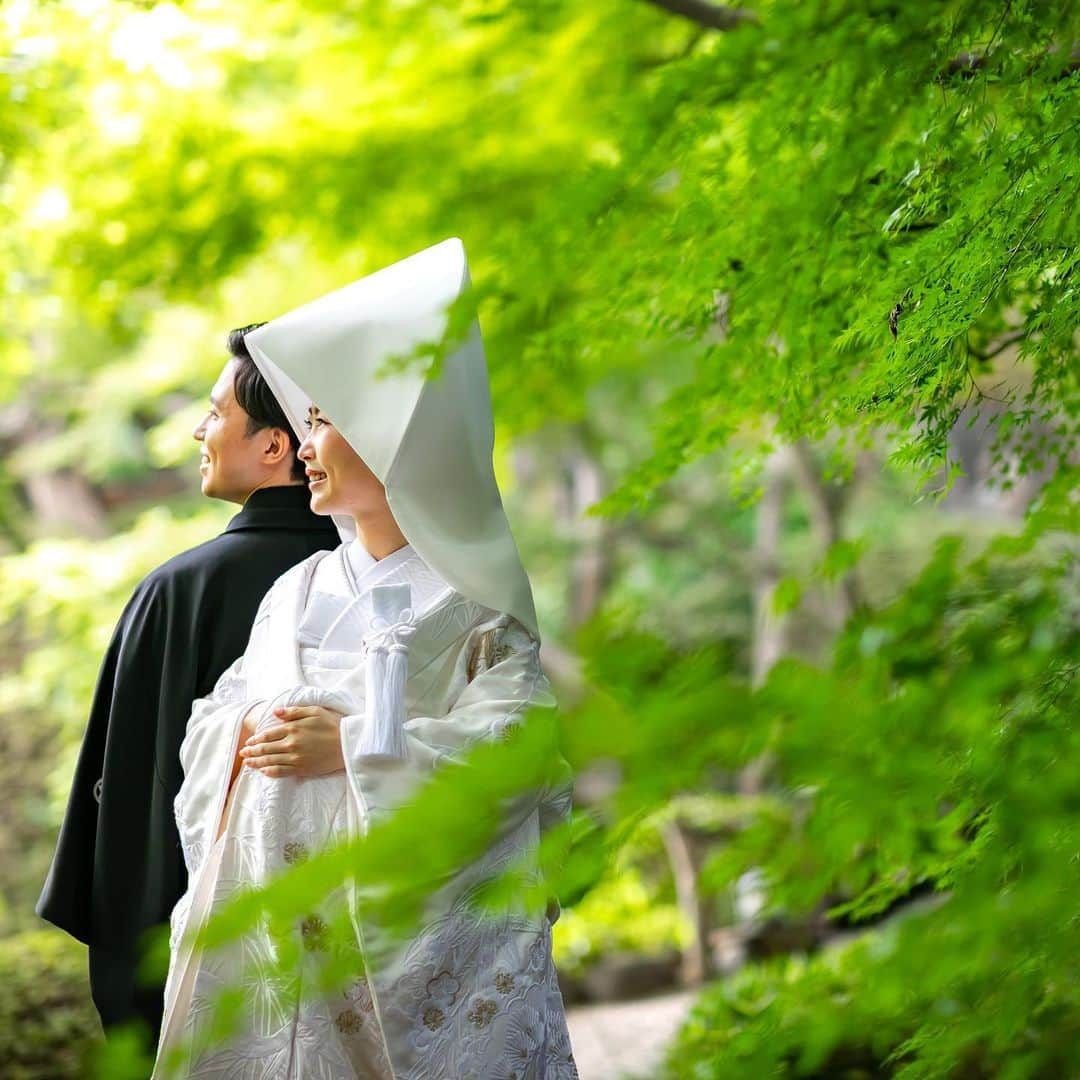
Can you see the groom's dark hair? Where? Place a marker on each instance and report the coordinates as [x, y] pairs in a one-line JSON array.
[[255, 397]]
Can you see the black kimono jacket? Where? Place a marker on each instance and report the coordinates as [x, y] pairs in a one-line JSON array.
[[118, 868]]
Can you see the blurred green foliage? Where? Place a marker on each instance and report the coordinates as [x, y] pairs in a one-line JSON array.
[[613, 169], [847, 224], [47, 1022], [869, 1008], [621, 913]]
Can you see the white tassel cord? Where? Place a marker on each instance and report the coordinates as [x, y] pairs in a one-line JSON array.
[[386, 668]]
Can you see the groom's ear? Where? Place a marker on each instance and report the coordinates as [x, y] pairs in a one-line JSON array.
[[276, 445]]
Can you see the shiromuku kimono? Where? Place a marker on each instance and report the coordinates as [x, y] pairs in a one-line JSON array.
[[424, 654]]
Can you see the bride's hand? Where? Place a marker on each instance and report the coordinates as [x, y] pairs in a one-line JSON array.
[[307, 742]]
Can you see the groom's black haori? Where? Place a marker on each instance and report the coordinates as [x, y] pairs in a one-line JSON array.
[[118, 867]]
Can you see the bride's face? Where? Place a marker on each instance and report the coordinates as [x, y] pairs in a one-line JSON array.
[[338, 479]]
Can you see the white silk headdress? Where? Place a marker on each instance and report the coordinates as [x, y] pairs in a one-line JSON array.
[[429, 441]]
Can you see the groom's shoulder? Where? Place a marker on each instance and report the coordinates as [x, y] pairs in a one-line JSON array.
[[187, 573], [220, 551], [224, 562]]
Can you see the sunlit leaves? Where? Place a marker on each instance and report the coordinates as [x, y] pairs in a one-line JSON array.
[[848, 219]]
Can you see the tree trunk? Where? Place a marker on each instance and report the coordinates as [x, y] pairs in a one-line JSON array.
[[769, 640], [590, 568], [64, 501], [826, 505], [686, 853]]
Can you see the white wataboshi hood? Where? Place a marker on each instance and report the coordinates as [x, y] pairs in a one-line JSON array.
[[429, 441]]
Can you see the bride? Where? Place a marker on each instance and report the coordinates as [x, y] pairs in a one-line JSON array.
[[366, 668]]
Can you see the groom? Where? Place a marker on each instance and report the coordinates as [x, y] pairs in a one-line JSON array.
[[118, 868]]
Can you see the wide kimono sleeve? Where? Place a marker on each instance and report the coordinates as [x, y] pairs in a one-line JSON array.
[[207, 755], [100, 884], [510, 687]]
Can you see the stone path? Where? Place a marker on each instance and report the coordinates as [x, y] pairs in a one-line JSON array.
[[617, 1040]]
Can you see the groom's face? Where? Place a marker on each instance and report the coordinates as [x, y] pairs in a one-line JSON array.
[[231, 464]]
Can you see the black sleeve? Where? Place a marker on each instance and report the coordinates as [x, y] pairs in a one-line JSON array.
[[108, 877]]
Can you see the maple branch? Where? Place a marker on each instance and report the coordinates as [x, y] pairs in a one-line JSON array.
[[713, 16], [999, 347]]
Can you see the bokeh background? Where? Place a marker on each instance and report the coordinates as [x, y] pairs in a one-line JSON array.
[[780, 305]]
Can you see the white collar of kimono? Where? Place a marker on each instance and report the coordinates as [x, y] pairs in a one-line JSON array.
[[362, 563], [388, 593]]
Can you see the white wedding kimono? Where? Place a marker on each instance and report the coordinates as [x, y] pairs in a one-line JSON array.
[[468, 995]]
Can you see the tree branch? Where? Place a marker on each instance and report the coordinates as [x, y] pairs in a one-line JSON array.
[[998, 347], [713, 16]]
